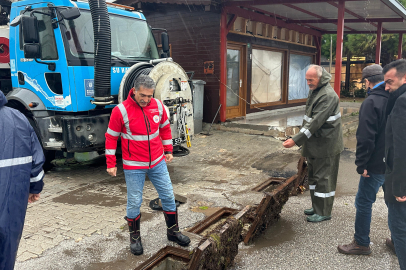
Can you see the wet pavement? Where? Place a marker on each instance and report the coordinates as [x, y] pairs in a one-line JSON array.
[[284, 118], [78, 223]]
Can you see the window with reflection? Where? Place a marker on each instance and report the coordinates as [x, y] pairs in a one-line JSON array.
[[298, 65]]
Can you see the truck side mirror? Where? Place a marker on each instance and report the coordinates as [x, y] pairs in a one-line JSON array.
[[16, 21], [30, 29], [165, 42], [70, 13], [32, 50]]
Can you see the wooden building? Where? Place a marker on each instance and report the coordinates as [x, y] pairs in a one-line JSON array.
[[253, 54]]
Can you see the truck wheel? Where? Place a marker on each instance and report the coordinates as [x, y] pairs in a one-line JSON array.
[[49, 154]]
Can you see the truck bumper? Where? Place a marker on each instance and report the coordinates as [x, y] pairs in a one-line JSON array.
[[84, 133]]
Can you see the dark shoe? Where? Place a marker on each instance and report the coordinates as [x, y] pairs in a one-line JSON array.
[[309, 212], [390, 245], [354, 249], [135, 237], [173, 232], [317, 218]]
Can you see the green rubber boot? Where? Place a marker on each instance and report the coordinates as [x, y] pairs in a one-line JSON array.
[[317, 218], [309, 212]]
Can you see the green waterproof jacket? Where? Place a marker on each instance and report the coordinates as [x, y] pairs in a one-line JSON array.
[[321, 134]]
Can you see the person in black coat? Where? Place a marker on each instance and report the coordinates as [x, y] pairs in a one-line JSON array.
[[369, 157], [395, 156]]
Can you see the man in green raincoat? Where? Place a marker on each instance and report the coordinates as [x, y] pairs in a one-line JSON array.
[[322, 142]]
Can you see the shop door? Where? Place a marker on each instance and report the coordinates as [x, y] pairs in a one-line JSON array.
[[235, 82]]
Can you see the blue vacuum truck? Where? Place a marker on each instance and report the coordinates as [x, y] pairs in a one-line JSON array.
[[66, 64]]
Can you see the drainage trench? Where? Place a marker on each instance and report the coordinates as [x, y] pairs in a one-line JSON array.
[[222, 231]]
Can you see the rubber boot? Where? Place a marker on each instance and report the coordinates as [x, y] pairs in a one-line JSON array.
[[173, 232], [135, 236], [309, 211]]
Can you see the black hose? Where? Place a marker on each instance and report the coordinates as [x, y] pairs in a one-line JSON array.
[[102, 50], [143, 69], [183, 151]]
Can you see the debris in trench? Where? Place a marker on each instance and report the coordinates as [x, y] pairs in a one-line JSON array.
[[218, 249]]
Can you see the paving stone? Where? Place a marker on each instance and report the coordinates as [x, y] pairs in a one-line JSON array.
[[26, 256]]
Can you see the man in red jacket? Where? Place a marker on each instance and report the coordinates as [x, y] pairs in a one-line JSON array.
[[146, 144]]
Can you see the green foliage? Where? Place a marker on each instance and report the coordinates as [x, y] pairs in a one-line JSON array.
[[363, 45], [361, 93]]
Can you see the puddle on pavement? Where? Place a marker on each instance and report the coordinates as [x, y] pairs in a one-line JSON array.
[[207, 211], [107, 193], [276, 234], [125, 260]]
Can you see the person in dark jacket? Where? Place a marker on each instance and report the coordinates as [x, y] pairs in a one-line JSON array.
[[322, 140], [395, 156], [21, 178], [369, 158]]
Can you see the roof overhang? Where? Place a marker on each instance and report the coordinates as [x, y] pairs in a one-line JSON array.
[[317, 16]]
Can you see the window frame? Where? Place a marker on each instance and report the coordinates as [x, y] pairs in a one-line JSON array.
[[284, 83]]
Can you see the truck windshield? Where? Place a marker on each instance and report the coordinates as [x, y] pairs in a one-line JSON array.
[[130, 37]]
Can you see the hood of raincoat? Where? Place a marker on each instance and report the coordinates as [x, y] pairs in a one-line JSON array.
[[324, 79], [3, 99]]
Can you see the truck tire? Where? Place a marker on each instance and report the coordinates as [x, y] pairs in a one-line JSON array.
[[49, 154]]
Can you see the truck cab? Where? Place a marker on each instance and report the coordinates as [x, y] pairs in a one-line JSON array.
[[55, 90]]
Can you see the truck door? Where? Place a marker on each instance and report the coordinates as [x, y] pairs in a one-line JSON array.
[[49, 82]]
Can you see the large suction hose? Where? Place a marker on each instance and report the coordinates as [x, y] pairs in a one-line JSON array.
[[102, 52], [129, 78]]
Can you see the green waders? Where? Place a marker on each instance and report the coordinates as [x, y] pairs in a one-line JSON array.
[[322, 183]]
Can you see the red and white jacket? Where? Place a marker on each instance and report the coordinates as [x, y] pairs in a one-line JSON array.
[[145, 134]]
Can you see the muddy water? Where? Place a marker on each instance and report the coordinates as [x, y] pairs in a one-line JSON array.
[[125, 260], [107, 193], [276, 234]]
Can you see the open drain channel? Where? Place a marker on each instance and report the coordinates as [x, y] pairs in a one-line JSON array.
[[226, 228]]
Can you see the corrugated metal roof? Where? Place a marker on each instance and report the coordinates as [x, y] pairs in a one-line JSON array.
[[361, 16]]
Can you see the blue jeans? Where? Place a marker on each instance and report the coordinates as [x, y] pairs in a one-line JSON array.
[[397, 227], [159, 177], [366, 196]]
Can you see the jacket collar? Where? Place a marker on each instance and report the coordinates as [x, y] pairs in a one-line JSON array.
[[324, 80], [379, 90], [393, 97]]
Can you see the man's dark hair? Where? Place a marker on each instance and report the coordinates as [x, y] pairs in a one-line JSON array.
[[399, 65], [144, 81], [375, 79]]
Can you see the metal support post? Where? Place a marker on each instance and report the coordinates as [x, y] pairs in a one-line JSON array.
[[318, 53], [378, 43], [339, 48], [223, 64], [400, 44]]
